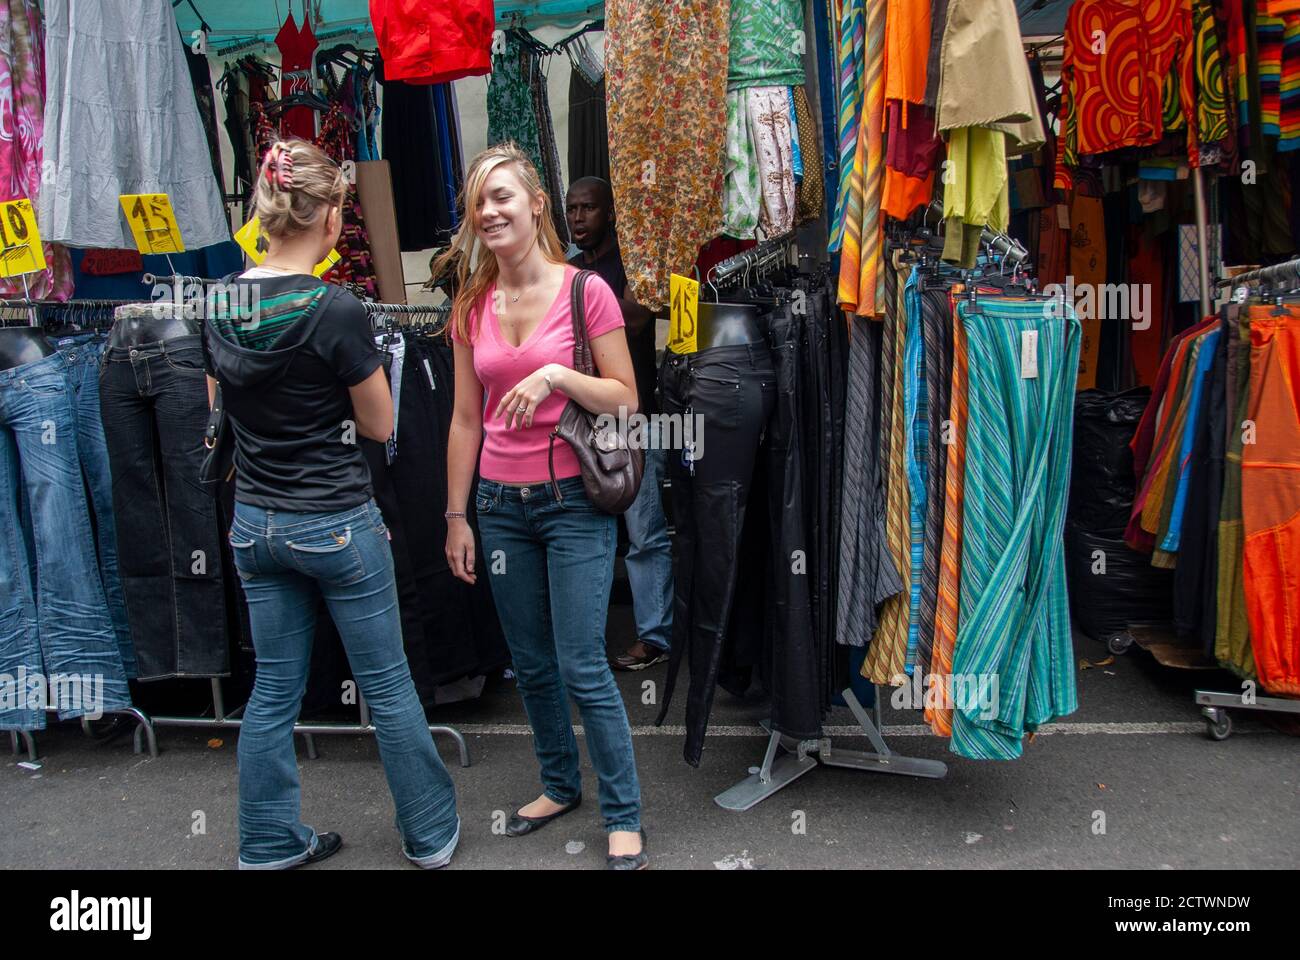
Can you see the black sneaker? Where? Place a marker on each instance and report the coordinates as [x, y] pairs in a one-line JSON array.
[[630, 661]]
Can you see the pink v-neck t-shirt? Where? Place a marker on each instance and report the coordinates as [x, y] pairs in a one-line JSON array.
[[520, 455]]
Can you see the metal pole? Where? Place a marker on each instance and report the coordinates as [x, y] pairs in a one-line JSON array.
[[1202, 242]]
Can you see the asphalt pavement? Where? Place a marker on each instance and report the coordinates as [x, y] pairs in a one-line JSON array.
[[1129, 781]]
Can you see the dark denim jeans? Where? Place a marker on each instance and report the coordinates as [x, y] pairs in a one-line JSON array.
[[83, 354], [53, 612], [154, 400], [550, 565], [285, 561]]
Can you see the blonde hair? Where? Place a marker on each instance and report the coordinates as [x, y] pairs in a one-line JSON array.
[[296, 181], [472, 282]]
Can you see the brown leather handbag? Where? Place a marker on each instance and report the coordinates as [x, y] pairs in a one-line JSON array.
[[611, 467]]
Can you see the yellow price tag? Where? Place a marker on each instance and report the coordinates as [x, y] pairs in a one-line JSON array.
[[153, 223], [683, 312], [331, 258], [20, 241], [253, 241]]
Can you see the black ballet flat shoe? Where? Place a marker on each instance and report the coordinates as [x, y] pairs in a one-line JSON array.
[[519, 825], [327, 844], [629, 861]]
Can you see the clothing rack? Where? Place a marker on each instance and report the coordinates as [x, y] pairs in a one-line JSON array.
[[220, 719], [760, 256], [1012, 251], [1290, 270], [1214, 704], [786, 759]]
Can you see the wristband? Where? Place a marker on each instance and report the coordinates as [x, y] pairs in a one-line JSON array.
[[454, 515]]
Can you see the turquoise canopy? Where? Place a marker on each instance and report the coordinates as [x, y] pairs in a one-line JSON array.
[[235, 20]]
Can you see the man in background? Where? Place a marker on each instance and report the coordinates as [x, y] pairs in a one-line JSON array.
[[590, 210]]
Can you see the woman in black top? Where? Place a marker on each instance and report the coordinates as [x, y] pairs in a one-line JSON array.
[[302, 381]]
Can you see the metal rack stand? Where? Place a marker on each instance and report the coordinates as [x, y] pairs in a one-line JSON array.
[[1214, 705], [787, 759], [220, 720], [1218, 722], [143, 726], [756, 257]]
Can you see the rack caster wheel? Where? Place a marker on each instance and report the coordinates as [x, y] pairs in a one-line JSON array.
[[1119, 643], [1218, 723]]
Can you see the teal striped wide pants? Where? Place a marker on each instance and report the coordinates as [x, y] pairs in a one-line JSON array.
[[1013, 665]]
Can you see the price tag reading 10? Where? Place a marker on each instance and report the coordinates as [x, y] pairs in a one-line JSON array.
[[20, 241], [683, 312]]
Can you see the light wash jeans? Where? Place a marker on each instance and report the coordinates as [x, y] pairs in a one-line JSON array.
[[284, 560], [650, 557], [54, 616], [550, 565]]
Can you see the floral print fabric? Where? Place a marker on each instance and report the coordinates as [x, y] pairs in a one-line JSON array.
[[769, 119], [767, 44], [666, 83], [22, 104]]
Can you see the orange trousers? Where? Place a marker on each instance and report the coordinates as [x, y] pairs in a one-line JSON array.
[[1270, 499]]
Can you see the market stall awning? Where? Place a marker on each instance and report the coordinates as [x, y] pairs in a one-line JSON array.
[[234, 20], [231, 20], [1041, 18]]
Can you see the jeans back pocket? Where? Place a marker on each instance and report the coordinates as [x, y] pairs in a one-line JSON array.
[[327, 555]]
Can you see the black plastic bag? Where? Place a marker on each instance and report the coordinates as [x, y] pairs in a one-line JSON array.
[[1112, 586], [1102, 484]]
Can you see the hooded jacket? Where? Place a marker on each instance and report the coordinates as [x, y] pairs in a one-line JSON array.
[[285, 351]]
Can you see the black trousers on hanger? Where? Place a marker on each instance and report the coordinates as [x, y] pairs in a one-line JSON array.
[[796, 652], [733, 390], [154, 400]]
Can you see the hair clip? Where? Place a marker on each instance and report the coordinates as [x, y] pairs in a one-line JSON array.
[[284, 169]]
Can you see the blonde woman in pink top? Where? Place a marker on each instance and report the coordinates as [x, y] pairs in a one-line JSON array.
[[550, 559]]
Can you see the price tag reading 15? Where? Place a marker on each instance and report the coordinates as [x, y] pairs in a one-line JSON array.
[[153, 223], [683, 314], [20, 241]]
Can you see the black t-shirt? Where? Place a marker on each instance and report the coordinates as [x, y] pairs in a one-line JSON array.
[[296, 443], [640, 343]]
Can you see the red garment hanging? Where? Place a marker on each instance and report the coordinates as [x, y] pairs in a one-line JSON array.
[[297, 48], [433, 41]]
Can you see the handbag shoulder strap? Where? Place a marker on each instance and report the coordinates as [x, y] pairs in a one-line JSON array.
[[583, 361]]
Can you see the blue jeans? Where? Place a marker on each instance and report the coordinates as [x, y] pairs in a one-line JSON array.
[[53, 613], [550, 565], [83, 353], [650, 557], [285, 560]]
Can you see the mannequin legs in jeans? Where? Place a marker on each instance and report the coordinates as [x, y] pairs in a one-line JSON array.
[[285, 562], [551, 565]]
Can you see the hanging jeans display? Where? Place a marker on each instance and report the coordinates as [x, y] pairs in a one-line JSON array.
[[733, 390], [155, 408], [1015, 621], [83, 354], [56, 624]]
